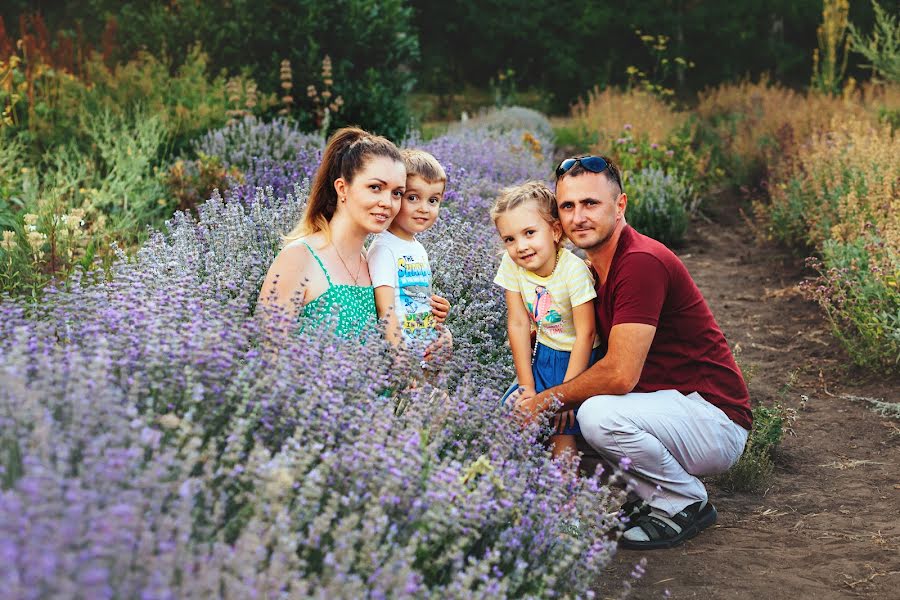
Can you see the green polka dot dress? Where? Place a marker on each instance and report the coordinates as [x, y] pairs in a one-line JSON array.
[[350, 307]]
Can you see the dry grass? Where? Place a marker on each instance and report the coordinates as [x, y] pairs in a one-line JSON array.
[[606, 114], [759, 124]]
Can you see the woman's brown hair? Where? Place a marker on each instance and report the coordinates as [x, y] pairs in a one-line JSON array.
[[345, 155]]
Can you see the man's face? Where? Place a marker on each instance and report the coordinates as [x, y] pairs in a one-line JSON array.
[[590, 207]]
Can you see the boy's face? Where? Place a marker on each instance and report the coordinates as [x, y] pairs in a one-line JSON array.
[[419, 207]]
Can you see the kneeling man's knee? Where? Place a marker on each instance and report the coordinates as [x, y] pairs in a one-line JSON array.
[[599, 419]]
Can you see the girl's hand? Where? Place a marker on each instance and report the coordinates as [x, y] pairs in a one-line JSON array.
[[440, 308], [524, 391], [563, 420]]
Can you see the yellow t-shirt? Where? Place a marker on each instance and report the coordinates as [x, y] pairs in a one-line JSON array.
[[549, 300]]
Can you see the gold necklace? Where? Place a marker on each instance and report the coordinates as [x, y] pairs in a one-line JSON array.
[[358, 267]]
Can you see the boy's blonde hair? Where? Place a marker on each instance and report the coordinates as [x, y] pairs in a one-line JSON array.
[[423, 164], [530, 191]]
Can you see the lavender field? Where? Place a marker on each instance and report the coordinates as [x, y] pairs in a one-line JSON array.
[[159, 439]]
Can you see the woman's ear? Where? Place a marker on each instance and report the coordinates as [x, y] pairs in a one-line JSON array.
[[340, 186]]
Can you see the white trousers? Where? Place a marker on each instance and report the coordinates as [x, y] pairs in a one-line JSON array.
[[670, 439]]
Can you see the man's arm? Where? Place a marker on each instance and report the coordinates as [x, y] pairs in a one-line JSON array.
[[616, 373]]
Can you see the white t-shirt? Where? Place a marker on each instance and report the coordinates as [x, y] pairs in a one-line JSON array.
[[403, 265]]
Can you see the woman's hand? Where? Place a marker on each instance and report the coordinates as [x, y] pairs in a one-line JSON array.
[[440, 308]]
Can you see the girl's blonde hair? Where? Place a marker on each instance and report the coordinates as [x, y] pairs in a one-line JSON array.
[[345, 155], [530, 191]]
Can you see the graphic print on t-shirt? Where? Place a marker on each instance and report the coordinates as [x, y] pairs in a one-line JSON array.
[[542, 312], [414, 280]]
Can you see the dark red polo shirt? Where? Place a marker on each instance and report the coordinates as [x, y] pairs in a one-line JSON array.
[[648, 284]]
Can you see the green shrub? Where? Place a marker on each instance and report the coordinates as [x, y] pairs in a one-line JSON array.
[[754, 470], [659, 204], [882, 48]]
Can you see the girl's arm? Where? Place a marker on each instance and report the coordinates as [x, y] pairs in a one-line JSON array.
[[518, 328], [585, 333], [384, 305]]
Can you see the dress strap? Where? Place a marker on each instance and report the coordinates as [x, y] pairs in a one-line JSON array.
[[319, 260]]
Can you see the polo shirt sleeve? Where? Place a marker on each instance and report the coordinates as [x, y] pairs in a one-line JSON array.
[[640, 290], [579, 280], [382, 265], [507, 277]]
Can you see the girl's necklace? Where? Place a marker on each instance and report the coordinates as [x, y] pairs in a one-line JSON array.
[[358, 266], [540, 324]]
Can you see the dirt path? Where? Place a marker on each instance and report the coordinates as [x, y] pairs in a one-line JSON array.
[[829, 525]]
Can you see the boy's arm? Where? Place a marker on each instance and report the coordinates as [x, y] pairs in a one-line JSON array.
[[384, 305], [518, 327], [585, 333]]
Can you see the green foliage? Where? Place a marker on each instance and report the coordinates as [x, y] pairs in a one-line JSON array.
[[659, 204], [71, 208], [371, 43], [754, 470], [882, 47], [468, 42]]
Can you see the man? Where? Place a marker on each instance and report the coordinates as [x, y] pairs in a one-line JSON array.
[[667, 397]]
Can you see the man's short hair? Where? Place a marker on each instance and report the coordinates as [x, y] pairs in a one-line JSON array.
[[611, 172], [424, 165]]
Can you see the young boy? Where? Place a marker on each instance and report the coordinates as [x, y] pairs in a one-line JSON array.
[[398, 263]]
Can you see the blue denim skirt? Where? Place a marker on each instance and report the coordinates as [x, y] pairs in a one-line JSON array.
[[549, 370]]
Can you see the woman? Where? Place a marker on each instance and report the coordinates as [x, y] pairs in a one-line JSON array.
[[322, 269]]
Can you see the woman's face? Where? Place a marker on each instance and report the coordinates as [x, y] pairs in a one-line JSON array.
[[372, 199]]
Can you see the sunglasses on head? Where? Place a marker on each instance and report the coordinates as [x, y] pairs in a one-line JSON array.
[[594, 164]]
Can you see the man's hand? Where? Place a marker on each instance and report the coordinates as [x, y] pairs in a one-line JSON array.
[[440, 308], [562, 420]]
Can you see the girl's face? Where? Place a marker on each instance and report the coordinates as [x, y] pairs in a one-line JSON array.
[[529, 239], [372, 199]]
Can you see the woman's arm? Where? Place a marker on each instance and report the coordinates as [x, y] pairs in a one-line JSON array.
[[384, 305], [518, 327], [585, 333], [285, 286]]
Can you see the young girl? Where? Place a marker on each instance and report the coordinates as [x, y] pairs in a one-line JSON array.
[[548, 290]]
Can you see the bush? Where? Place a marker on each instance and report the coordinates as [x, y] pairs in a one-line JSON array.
[[844, 177], [660, 204], [756, 466], [372, 47], [240, 143], [511, 118], [72, 209]]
